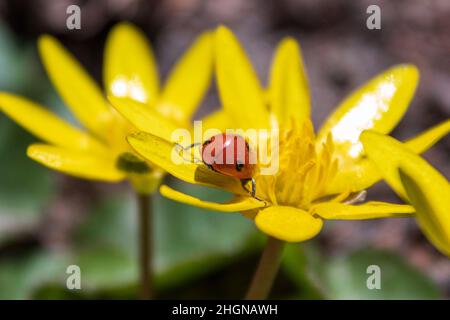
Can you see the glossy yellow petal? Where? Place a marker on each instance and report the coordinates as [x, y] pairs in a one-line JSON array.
[[46, 125], [78, 90], [428, 138], [189, 81], [76, 163], [143, 118], [288, 223], [354, 177], [429, 193], [129, 65], [219, 120], [239, 88], [368, 210], [418, 183], [388, 154], [363, 173], [289, 90], [164, 155], [239, 203], [378, 106]]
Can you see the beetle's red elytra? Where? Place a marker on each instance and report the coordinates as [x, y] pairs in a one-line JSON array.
[[230, 154]]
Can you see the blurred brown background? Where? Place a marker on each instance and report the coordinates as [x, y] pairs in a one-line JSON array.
[[340, 54]]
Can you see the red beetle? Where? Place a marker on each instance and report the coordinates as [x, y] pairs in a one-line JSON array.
[[230, 154]]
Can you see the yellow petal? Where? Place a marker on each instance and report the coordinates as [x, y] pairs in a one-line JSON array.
[[378, 105], [288, 223], [78, 90], [429, 193], [188, 81], [428, 138], [418, 182], [46, 125], [239, 87], [163, 154], [143, 118], [76, 163], [363, 173], [129, 66], [239, 203], [289, 91], [219, 120], [388, 154], [354, 177], [368, 210]]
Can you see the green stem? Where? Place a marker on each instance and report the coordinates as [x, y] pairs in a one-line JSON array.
[[267, 270], [145, 245]]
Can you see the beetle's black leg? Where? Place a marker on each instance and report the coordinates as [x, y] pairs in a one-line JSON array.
[[243, 184], [253, 188], [210, 167], [189, 146], [180, 147], [253, 191]]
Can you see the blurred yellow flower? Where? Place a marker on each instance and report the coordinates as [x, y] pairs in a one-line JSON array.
[[99, 150], [320, 176], [417, 182]]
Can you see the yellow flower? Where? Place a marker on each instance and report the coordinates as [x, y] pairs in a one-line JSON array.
[[99, 150], [417, 182], [320, 176]]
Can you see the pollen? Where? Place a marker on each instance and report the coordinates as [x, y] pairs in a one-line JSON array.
[[304, 170]]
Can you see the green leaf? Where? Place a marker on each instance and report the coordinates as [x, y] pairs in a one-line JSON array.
[[25, 186], [300, 269], [20, 276], [105, 268], [10, 72], [346, 278], [189, 242]]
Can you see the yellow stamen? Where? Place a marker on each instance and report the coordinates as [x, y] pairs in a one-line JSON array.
[[303, 170]]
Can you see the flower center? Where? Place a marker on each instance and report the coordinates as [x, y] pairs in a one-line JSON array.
[[304, 169]]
